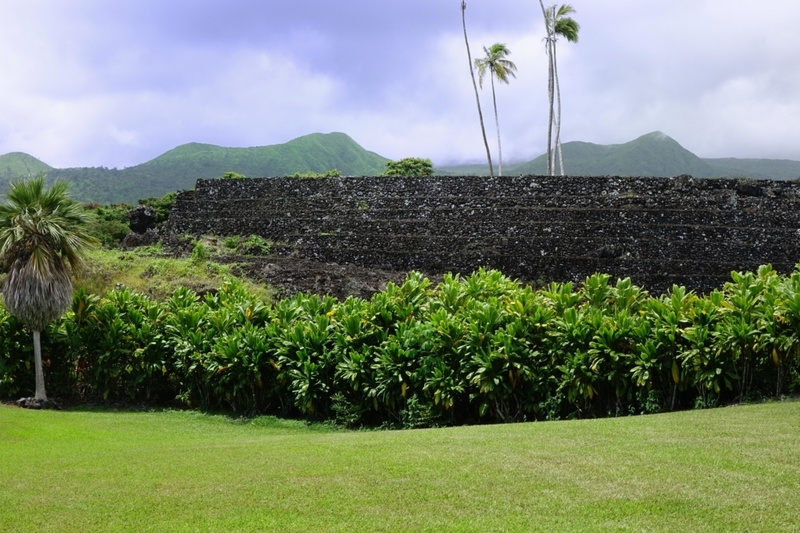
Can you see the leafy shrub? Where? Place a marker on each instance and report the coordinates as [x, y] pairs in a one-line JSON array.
[[200, 253], [232, 176], [108, 224], [476, 348], [410, 166], [334, 173], [254, 245], [232, 242], [16, 357], [417, 414], [162, 205], [347, 413]]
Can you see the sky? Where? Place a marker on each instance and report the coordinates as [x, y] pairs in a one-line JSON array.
[[117, 83]]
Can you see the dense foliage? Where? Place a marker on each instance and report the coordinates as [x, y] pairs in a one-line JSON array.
[[109, 224], [410, 166], [333, 173], [162, 205], [481, 348]]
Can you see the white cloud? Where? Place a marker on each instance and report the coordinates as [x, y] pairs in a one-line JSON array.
[[248, 98], [95, 83], [125, 137], [435, 115]]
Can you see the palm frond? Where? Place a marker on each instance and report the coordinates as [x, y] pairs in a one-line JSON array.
[[558, 23], [495, 63], [41, 243], [564, 9], [481, 64], [36, 299], [568, 28]]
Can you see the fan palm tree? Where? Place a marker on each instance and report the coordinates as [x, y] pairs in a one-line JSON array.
[[556, 23], [41, 244], [475, 86], [501, 68]]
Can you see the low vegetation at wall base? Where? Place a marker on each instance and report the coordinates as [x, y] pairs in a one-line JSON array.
[[477, 349]]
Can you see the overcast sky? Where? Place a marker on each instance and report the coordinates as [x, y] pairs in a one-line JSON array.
[[118, 82]]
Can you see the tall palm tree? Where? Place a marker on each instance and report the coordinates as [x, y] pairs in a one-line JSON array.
[[475, 86], [41, 244], [556, 23], [501, 68]]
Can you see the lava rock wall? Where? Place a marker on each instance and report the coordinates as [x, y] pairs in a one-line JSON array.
[[658, 231]]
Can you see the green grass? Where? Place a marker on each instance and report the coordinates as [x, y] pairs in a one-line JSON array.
[[733, 469], [147, 270]]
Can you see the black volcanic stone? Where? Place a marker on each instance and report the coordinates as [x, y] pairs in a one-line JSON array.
[[142, 218]]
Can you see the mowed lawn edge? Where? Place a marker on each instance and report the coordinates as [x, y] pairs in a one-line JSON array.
[[729, 469]]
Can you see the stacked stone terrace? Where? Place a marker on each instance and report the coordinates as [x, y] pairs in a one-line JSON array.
[[658, 231]]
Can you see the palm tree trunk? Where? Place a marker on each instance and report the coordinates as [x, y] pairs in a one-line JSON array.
[[551, 145], [549, 41], [37, 357], [558, 119], [497, 125], [475, 86], [674, 394]]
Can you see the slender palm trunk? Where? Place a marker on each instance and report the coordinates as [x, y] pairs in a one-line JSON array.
[[558, 116], [37, 357], [549, 41], [497, 125], [475, 86], [550, 123]]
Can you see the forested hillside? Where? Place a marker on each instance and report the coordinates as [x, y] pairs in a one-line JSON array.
[[16, 164], [180, 167], [654, 154]]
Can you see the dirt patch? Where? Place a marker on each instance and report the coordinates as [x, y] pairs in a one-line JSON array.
[[291, 275]]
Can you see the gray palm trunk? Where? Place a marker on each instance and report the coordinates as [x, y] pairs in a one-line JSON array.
[[37, 358], [475, 86], [550, 91], [36, 302], [497, 125], [558, 119]]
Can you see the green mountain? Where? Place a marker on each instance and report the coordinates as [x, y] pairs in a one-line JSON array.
[[312, 153], [654, 154], [18, 164], [776, 169], [180, 167]]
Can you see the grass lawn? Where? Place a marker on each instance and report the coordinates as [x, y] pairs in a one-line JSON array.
[[732, 469]]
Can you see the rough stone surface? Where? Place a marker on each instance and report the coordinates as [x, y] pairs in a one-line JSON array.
[[658, 231], [134, 240], [34, 403], [290, 275], [142, 218]]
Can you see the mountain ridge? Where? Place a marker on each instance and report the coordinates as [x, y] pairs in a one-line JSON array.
[[180, 167], [653, 154]]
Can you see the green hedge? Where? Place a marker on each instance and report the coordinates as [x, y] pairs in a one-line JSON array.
[[477, 349]]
